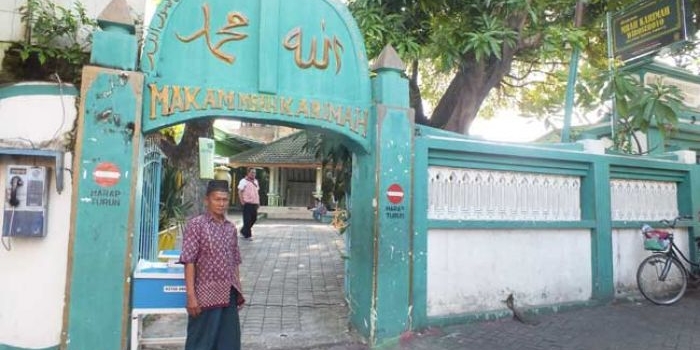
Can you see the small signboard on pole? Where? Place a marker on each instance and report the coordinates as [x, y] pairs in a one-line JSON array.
[[206, 158], [647, 27]]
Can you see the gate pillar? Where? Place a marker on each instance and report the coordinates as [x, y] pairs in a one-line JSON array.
[[106, 184], [384, 313]]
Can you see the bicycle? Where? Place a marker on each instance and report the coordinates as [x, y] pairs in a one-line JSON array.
[[662, 277]]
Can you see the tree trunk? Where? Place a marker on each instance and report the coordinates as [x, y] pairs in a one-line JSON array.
[[185, 156], [416, 99], [475, 79], [471, 85]]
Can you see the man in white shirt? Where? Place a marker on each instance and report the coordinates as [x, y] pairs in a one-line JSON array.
[[248, 192]]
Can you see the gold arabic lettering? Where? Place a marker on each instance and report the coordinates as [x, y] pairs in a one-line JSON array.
[[294, 42], [233, 20]]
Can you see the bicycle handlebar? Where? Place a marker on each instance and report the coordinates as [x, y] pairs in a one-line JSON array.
[[675, 220]]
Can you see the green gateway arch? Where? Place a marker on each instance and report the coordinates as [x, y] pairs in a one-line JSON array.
[[297, 63]]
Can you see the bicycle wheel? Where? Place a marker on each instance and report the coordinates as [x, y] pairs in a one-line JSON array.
[[661, 279]]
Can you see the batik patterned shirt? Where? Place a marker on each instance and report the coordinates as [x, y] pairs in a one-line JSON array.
[[212, 246]]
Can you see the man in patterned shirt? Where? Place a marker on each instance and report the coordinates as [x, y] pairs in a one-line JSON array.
[[211, 257]]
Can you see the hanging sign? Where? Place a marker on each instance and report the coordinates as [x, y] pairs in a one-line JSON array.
[[647, 27]]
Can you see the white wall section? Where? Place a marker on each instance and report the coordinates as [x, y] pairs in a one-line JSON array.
[[475, 270]]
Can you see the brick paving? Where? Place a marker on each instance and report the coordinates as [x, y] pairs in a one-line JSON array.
[[618, 325], [293, 281], [292, 276]]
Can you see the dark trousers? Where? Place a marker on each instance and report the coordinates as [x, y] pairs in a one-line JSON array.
[[250, 216], [215, 329]]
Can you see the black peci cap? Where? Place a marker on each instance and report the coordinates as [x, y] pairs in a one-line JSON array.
[[217, 186]]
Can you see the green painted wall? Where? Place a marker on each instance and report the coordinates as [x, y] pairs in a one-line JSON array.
[[361, 240], [419, 287], [394, 212], [394, 234], [689, 202], [262, 69], [105, 185], [8, 347], [437, 148], [595, 205], [36, 89]]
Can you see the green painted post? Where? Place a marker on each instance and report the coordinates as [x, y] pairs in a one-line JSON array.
[[360, 243], [569, 100], [393, 235], [419, 285], [655, 141], [689, 204], [573, 72], [597, 208], [106, 184]]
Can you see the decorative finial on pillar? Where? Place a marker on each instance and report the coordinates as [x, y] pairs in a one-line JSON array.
[[390, 86], [117, 14], [116, 45], [389, 59]]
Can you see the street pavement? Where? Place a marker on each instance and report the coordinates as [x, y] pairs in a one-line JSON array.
[[624, 324], [293, 281]]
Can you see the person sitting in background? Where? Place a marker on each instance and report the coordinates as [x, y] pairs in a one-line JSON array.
[[319, 210]]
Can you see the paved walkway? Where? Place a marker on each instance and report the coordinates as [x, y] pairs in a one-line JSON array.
[[293, 280], [292, 276]]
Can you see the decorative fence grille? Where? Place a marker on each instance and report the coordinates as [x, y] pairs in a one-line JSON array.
[[150, 200], [640, 200], [469, 194]]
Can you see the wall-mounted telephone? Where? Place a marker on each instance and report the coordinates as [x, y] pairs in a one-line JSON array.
[[25, 201]]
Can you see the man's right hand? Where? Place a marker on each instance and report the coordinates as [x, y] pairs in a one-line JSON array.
[[193, 308]]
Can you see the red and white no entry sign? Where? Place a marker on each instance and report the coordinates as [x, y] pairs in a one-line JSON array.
[[395, 194], [106, 174]]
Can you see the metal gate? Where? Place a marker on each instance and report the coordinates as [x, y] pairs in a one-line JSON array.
[[150, 200]]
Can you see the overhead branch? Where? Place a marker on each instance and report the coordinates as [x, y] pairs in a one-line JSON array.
[[539, 71], [512, 85], [538, 61], [530, 69]]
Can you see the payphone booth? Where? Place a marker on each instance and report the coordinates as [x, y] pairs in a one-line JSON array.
[[25, 207]]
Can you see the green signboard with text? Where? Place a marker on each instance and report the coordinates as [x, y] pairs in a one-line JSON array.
[[648, 26]]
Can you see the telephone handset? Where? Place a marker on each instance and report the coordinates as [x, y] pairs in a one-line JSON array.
[[15, 183]]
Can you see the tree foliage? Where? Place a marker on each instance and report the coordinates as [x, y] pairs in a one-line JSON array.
[[336, 158], [640, 107], [519, 48], [173, 208], [56, 45]]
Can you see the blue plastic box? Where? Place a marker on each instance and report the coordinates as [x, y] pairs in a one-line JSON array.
[[158, 285]]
